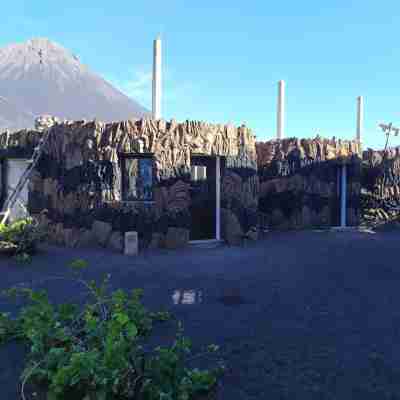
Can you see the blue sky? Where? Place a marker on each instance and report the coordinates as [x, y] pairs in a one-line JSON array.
[[222, 60]]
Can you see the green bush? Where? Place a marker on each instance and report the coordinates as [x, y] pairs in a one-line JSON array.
[[98, 352], [25, 234]]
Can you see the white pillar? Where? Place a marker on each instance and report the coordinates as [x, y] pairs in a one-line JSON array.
[[218, 198], [343, 197], [360, 117], [281, 110], [156, 110], [338, 180]]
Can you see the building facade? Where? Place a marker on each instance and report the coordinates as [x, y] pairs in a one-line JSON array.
[[179, 182], [309, 182], [170, 182]]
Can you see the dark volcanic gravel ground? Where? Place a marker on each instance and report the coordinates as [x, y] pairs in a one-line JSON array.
[[319, 319]]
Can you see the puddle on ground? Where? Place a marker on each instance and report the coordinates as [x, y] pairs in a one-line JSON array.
[[229, 297], [232, 297], [191, 296]]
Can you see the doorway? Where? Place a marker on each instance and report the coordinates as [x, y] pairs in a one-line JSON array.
[[335, 199], [205, 180], [339, 200]]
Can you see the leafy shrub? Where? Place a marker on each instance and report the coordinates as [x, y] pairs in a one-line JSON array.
[[25, 234], [98, 352]]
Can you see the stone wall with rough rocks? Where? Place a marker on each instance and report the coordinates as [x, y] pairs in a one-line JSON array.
[[78, 178], [380, 197], [298, 181]]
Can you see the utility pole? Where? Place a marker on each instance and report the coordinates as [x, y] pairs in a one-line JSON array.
[[280, 111], [360, 118], [157, 88]]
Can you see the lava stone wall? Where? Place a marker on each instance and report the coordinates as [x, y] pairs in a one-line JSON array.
[[298, 181], [380, 198], [78, 178]]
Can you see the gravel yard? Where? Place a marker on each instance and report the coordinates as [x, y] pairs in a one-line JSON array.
[[317, 319]]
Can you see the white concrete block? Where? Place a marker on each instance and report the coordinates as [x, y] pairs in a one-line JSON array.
[[131, 247]]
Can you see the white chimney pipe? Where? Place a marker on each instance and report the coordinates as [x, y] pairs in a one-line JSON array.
[[360, 117], [281, 110], [156, 110]]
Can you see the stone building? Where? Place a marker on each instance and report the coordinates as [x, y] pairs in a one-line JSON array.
[[178, 182], [309, 182], [380, 183], [170, 182]]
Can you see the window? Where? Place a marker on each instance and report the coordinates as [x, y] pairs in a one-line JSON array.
[[137, 177]]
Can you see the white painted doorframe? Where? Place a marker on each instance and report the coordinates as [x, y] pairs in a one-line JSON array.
[[343, 198], [217, 205], [342, 192], [218, 198]]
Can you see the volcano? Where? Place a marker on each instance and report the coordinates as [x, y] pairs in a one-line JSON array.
[[41, 77]]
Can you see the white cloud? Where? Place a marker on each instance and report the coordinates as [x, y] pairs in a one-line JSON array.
[[178, 92], [139, 87]]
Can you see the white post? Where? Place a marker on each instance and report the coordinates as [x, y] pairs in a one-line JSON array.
[[281, 110], [343, 197], [360, 117], [157, 79], [338, 180], [131, 247], [218, 198]]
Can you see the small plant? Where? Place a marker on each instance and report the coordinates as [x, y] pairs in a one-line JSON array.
[[99, 352], [23, 236]]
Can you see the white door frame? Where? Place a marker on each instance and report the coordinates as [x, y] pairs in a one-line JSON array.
[[342, 191], [343, 198], [217, 205], [218, 198]]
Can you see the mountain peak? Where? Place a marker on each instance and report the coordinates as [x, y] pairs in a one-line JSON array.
[[40, 41], [40, 76], [36, 51], [37, 43]]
